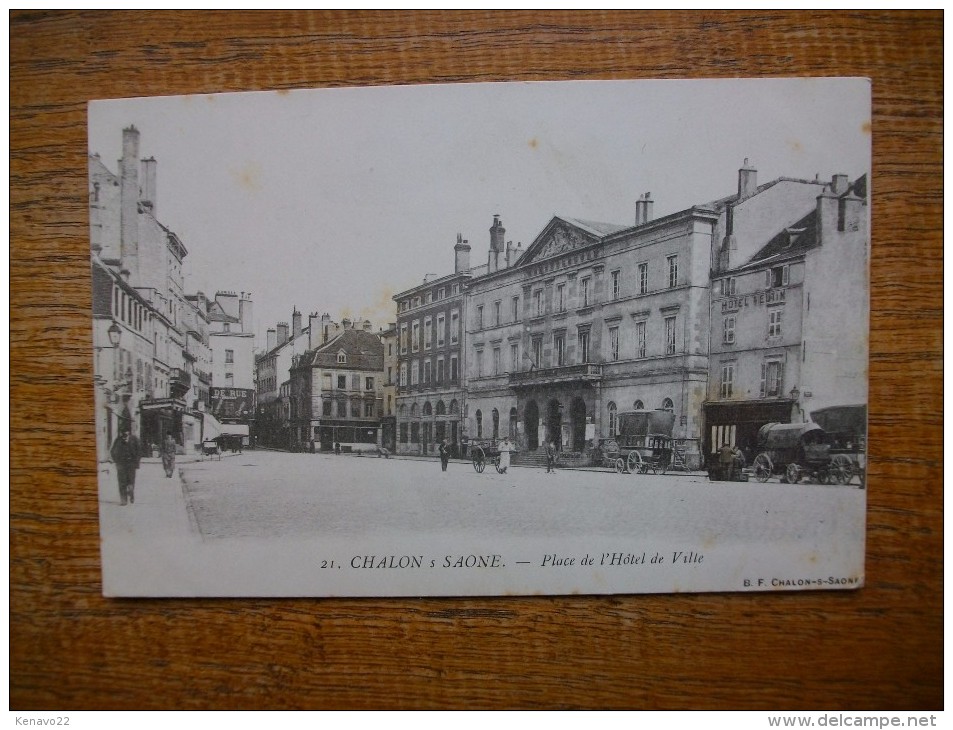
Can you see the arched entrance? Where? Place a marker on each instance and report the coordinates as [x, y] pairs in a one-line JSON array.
[[531, 418], [577, 417], [554, 423]]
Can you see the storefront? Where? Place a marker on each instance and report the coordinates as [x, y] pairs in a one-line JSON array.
[[158, 418], [737, 423]]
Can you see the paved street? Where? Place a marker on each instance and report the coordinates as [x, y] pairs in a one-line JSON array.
[[267, 507]]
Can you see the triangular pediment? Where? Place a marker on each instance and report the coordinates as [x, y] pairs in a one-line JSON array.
[[562, 235]]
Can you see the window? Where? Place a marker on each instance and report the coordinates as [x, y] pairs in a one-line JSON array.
[[454, 327], [613, 419], [560, 297], [516, 309], [616, 284], [427, 371], [728, 286], [479, 317], [559, 348], [777, 276], [429, 298], [479, 424], [537, 351], [229, 380], [390, 349], [226, 327], [584, 346], [514, 358], [369, 409], [729, 330], [403, 339], [672, 271], [369, 382], [640, 339], [342, 382], [497, 316], [584, 294], [415, 337], [415, 432], [478, 363], [774, 322], [613, 343], [342, 358], [414, 372], [538, 302], [326, 407], [496, 424], [727, 379], [390, 375], [670, 335], [342, 409], [403, 374], [453, 369], [497, 361], [428, 333], [643, 278], [638, 405], [772, 378], [355, 382], [403, 433], [440, 370], [668, 405], [229, 356], [441, 330]]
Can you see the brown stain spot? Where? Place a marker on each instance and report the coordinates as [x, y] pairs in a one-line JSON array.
[[284, 92], [795, 145], [533, 143], [866, 127], [248, 177]]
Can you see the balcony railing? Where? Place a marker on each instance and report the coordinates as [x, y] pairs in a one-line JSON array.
[[180, 381], [564, 373]]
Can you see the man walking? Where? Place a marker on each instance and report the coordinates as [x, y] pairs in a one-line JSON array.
[[551, 457], [125, 454], [444, 455]]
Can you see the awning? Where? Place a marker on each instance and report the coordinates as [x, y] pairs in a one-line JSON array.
[[842, 419]]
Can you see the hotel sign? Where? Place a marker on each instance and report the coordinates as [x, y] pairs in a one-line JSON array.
[[769, 296]]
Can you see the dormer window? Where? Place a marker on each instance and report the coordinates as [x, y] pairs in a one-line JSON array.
[[342, 358]]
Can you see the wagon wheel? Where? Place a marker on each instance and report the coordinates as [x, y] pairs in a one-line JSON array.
[[496, 463], [792, 473], [633, 463], [620, 466], [479, 459], [842, 469], [763, 468]]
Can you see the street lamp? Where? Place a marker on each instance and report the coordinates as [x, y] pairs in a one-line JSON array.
[[115, 334]]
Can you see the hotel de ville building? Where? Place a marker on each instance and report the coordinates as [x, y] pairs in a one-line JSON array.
[[591, 320]]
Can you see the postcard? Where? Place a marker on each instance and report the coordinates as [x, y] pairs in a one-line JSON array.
[[593, 337]]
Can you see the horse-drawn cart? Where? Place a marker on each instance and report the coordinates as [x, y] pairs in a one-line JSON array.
[[797, 451], [483, 453]]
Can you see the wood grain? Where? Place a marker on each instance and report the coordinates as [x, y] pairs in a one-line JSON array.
[[877, 648]]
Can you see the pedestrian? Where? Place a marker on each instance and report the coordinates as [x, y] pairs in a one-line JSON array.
[[125, 455], [168, 455], [337, 448], [444, 455], [312, 446], [551, 457], [383, 451], [505, 449]]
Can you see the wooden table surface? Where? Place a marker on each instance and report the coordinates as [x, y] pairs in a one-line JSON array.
[[876, 648]]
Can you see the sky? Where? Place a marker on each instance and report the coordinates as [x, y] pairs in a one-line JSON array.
[[334, 200]]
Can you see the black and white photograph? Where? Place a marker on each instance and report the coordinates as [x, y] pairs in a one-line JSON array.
[[538, 338]]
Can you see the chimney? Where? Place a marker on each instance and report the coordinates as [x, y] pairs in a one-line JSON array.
[[129, 205], [346, 323], [314, 330], [461, 256], [850, 212], [147, 195], [497, 232], [245, 311], [509, 254], [747, 181], [827, 215], [271, 341], [647, 208], [367, 325], [295, 323], [839, 184], [282, 333], [640, 210]]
